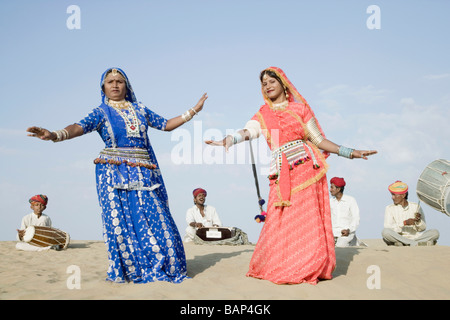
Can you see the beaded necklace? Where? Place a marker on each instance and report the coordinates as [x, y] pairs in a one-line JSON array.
[[280, 106], [130, 117]]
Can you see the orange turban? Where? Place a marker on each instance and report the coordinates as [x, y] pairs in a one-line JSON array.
[[398, 187]]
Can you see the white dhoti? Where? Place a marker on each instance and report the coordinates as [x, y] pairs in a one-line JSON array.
[[25, 246]]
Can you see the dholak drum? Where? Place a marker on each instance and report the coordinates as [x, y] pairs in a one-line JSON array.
[[46, 236], [433, 186], [215, 234]]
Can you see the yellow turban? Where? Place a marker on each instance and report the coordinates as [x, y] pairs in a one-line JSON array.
[[398, 187]]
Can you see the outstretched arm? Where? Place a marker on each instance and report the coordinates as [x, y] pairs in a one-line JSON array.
[[180, 120], [329, 146], [325, 145], [229, 140], [73, 130]]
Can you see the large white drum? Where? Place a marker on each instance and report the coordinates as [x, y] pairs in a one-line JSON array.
[[41, 236], [433, 186]]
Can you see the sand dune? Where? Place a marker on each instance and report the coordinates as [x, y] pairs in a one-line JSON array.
[[218, 272]]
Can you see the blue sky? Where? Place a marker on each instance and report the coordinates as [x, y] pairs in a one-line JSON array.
[[385, 89]]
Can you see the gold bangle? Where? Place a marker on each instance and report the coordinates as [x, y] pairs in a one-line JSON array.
[[314, 134]]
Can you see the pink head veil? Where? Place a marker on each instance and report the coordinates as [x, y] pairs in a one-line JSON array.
[[294, 95]]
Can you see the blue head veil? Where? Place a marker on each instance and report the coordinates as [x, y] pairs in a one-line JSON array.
[[130, 93]]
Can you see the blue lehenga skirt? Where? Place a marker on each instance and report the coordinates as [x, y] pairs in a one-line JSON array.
[[141, 237]]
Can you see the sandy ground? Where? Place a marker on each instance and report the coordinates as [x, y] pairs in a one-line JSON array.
[[218, 273]]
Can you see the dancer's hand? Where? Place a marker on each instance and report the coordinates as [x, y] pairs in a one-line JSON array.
[[41, 133], [226, 142], [363, 154], [199, 106]]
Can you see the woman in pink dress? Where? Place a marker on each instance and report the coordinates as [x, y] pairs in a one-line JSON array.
[[296, 243]]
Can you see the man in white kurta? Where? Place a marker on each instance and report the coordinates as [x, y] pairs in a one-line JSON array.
[[404, 221], [200, 215], [38, 204], [33, 219], [344, 214]]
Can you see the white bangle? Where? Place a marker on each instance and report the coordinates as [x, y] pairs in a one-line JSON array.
[[237, 138], [61, 135], [186, 116]]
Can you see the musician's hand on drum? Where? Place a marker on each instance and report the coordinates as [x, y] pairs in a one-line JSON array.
[[418, 217], [196, 225], [363, 154], [226, 142], [20, 233], [41, 133]]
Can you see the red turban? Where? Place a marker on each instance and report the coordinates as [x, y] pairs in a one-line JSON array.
[[197, 191], [39, 198], [338, 182]]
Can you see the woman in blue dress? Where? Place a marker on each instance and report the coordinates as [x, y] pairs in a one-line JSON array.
[[141, 237]]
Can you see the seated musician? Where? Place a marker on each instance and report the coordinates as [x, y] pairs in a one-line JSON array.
[[344, 215], [38, 204], [200, 215], [404, 221]]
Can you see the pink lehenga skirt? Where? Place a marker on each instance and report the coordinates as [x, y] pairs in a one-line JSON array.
[[296, 243]]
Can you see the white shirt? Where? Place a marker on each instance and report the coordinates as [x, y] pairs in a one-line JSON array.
[[396, 214], [211, 217], [33, 220], [344, 214]]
